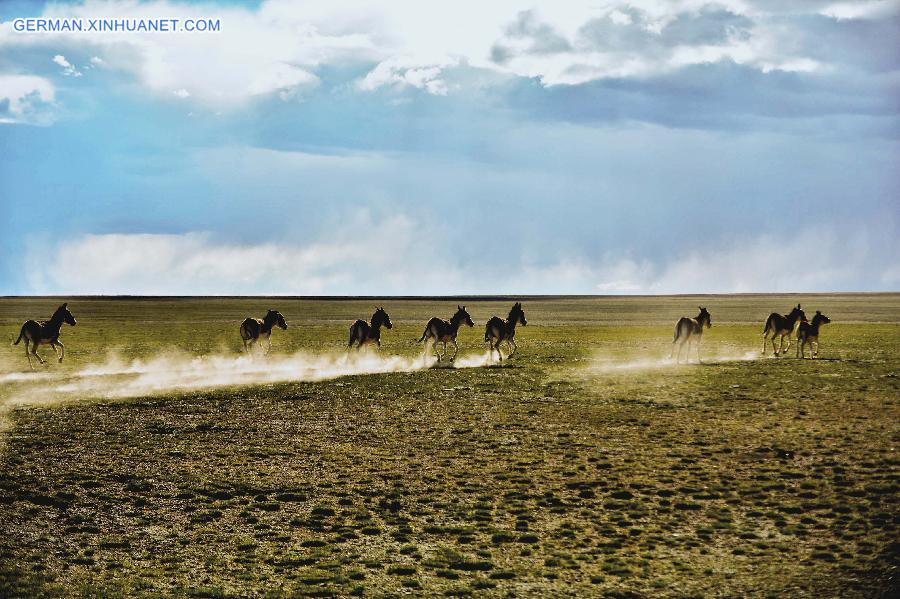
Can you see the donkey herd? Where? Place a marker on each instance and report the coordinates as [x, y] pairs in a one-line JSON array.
[[258, 332]]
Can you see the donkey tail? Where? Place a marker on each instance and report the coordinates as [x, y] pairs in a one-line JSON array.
[[424, 334], [768, 323], [21, 334], [487, 333]]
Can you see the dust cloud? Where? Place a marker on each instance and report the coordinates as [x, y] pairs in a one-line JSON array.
[[167, 373], [607, 364]]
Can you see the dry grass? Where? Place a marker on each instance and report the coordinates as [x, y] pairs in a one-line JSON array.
[[553, 475]]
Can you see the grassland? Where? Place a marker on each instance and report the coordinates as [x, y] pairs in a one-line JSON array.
[[585, 466]]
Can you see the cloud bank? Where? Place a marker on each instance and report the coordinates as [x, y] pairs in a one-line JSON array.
[[389, 258], [282, 47]]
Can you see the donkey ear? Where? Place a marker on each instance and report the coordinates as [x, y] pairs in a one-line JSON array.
[[817, 312], [64, 304], [798, 307]]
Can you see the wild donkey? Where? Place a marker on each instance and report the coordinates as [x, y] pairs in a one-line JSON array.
[[361, 332], [36, 332], [254, 330], [781, 327], [497, 331], [686, 329], [443, 331], [809, 333]]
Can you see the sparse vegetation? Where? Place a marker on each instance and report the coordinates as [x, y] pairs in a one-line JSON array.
[[554, 474]]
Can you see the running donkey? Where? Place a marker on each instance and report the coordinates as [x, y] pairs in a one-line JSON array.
[[781, 327], [497, 331], [809, 333], [254, 330], [361, 332], [36, 332], [443, 331], [688, 328]]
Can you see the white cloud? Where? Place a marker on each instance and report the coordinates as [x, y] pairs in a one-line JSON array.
[[24, 97], [284, 78], [181, 93], [388, 258], [815, 258], [864, 9], [272, 50], [367, 255], [278, 47], [401, 72], [69, 69]]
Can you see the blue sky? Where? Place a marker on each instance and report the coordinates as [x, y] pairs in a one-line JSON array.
[[436, 148]]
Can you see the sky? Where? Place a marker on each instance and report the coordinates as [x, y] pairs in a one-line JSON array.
[[347, 147]]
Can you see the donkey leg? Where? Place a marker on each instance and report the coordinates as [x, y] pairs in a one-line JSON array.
[[515, 348], [56, 350], [765, 341], [456, 349], [34, 348], [788, 345], [699, 361], [28, 354]]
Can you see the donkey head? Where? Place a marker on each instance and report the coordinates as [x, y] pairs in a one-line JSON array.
[[704, 318], [798, 314], [820, 318], [62, 313], [275, 317], [382, 317], [517, 314], [462, 316]]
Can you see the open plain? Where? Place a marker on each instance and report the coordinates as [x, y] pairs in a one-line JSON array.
[[156, 461]]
